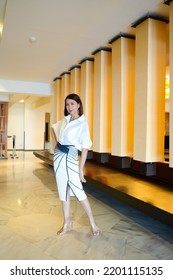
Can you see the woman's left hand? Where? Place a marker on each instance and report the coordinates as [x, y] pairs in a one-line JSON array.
[[81, 176]]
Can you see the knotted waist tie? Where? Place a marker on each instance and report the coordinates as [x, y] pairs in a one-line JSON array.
[[63, 148], [68, 149]]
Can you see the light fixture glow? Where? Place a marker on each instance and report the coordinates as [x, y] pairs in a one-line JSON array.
[[22, 100], [167, 87], [3, 4], [19, 201], [1, 29]]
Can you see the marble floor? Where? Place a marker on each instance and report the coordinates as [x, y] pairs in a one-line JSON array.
[[30, 214]]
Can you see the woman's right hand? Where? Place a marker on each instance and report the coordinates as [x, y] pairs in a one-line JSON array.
[[81, 176]]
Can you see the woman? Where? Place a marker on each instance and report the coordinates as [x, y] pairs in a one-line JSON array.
[[70, 135]]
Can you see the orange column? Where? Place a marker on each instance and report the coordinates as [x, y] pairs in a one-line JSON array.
[[150, 72], [102, 102], [123, 70], [75, 79], [55, 106], [65, 90], [57, 98], [171, 84], [87, 90]]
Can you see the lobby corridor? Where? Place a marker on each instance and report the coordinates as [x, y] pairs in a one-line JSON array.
[[30, 215]]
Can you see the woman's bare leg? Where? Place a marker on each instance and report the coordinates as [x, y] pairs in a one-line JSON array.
[[86, 206], [67, 225]]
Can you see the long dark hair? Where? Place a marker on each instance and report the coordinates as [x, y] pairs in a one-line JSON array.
[[75, 97]]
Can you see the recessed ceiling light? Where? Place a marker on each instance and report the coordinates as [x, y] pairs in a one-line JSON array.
[[32, 39]]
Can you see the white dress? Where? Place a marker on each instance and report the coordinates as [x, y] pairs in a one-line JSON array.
[[71, 136]]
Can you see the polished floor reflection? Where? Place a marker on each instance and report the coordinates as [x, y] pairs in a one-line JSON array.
[[30, 214], [155, 193]]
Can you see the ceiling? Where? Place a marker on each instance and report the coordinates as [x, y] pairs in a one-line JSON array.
[[43, 38]]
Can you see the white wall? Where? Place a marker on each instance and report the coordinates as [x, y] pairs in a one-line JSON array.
[[28, 125], [16, 125]]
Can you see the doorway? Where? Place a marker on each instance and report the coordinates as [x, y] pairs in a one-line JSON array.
[[47, 131]]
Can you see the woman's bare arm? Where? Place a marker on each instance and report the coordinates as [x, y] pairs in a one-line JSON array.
[[82, 163], [54, 140]]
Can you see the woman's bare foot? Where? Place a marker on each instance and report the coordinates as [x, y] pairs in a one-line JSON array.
[[95, 230], [65, 228]]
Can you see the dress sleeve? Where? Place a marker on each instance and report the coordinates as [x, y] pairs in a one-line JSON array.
[[56, 127], [86, 142]]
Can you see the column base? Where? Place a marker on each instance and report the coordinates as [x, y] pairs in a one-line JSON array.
[[90, 154], [144, 168], [120, 162], [100, 157]]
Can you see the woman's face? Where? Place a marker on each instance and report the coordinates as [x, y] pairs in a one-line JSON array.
[[72, 107]]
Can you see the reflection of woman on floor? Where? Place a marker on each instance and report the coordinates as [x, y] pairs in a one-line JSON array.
[[70, 135]]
